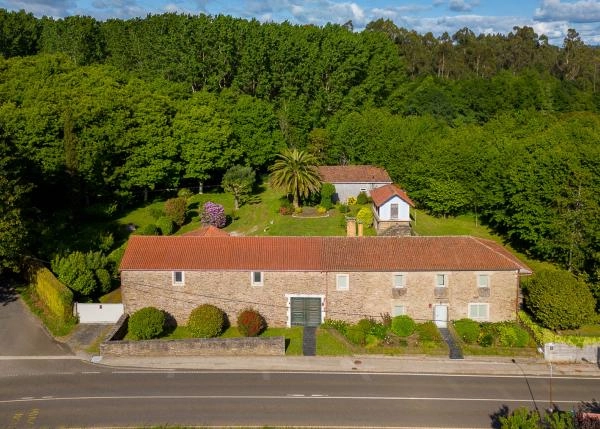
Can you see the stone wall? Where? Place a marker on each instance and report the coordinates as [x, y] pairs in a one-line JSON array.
[[559, 352], [269, 346], [370, 293]]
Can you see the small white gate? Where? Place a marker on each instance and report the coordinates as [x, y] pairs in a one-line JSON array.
[[98, 313]]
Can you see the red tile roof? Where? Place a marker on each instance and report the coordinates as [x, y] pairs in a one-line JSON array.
[[207, 231], [353, 174], [381, 195], [317, 254]]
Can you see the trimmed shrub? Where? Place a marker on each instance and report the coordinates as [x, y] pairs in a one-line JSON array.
[[343, 208], [351, 201], [166, 225], [511, 335], [427, 331], [79, 271], [327, 192], [149, 229], [362, 198], [250, 323], [146, 323], [206, 321], [558, 300], [57, 297], [104, 280], [403, 326], [175, 209], [321, 210], [467, 329]]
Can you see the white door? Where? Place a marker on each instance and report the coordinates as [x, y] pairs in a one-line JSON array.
[[440, 316]]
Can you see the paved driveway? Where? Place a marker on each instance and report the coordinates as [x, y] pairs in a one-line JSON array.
[[21, 333]]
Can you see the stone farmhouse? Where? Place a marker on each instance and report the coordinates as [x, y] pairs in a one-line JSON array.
[[350, 180], [303, 280]]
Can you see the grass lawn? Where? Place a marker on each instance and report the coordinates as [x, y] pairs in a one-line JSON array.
[[592, 330]]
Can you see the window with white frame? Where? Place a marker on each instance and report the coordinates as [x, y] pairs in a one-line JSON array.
[[178, 278], [479, 312], [399, 280], [483, 280], [257, 278], [441, 280], [342, 282], [398, 310]]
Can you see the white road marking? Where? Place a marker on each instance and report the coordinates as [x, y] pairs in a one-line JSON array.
[[61, 357], [271, 397]]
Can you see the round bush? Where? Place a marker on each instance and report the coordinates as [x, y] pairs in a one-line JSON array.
[[428, 331], [206, 321], [166, 225], [403, 326], [146, 323], [362, 198], [468, 329], [149, 229], [558, 300], [250, 323]]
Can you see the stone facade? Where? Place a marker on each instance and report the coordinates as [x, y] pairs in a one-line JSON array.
[[369, 294]]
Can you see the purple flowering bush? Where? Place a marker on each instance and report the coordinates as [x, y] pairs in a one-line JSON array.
[[213, 214]]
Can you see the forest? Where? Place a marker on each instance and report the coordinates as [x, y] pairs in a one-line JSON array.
[[98, 116]]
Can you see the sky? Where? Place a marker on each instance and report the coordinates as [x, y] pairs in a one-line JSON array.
[[550, 17]]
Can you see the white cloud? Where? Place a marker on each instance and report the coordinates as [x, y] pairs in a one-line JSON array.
[[580, 11], [53, 8], [459, 6]]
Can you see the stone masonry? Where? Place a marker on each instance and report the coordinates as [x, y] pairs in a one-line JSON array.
[[370, 294]]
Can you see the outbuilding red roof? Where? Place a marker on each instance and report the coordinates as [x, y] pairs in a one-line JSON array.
[[353, 174], [207, 231], [382, 194], [331, 254]]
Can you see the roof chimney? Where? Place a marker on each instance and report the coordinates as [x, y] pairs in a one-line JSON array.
[[360, 229], [350, 227]]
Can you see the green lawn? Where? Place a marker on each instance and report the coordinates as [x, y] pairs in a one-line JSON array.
[[592, 330]]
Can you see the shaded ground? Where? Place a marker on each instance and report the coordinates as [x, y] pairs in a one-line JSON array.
[[21, 333], [85, 337]]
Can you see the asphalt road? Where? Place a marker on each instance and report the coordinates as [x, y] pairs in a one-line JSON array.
[[89, 395], [21, 334]]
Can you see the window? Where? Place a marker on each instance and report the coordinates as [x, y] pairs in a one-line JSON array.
[[394, 211], [483, 280], [256, 278], [178, 278], [441, 280], [398, 310], [398, 280], [479, 312], [342, 282]]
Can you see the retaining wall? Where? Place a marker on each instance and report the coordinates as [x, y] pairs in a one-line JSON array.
[[253, 346], [559, 352]]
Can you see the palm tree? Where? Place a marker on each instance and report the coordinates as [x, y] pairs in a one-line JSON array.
[[294, 171]]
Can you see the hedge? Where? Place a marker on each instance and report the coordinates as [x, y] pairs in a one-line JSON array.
[[544, 336], [57, 297]]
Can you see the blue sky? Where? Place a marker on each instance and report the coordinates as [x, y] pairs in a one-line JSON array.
[[550, 17]]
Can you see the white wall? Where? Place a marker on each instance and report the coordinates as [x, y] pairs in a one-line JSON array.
[[346, 190], [403, 210], [98, 313]]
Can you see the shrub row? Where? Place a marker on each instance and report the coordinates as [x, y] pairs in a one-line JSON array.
[[205, 321], [503, 334]]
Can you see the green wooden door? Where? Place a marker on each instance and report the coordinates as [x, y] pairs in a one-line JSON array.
[[305, 311]]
